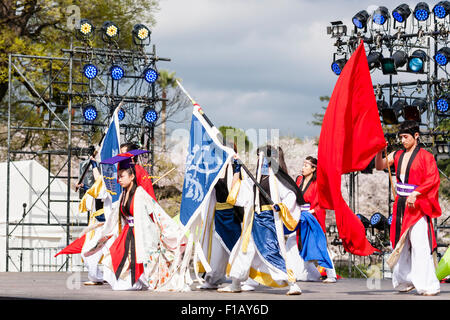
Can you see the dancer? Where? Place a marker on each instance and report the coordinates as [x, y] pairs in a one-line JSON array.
[[221, 230], [309, 242], [416, 204], [92, 203], [260, 252], [141, 256]]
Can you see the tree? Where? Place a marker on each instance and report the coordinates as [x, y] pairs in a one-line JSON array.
[[42, 28], [165, 80], [318, 117], [236, 136]]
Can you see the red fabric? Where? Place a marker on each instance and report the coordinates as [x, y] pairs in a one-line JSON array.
[[424, 174], [74, 247], [350, 137], [144, 180], [117, 249], [311, 196]]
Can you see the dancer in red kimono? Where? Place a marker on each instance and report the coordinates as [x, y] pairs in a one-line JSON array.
[[308, 233], [416, 204]]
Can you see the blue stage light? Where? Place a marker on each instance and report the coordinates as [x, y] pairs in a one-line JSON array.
[[442, 56], [90, 113], [338, 65], [442, 104], [360, 19], [441, 9], [390, 220], [90, 71], [121, 114], [150, 115], [421, 11], [378, 221], [401, 13], [416, 61], [150, 75], [117, 72], [380, 15]]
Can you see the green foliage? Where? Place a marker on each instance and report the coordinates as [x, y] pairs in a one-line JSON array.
[[318, 116], [238, 137]]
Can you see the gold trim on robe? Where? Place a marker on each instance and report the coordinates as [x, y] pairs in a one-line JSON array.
[[232, 196]]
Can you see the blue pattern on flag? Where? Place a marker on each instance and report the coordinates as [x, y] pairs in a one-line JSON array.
[[203, 163], [111, 148]]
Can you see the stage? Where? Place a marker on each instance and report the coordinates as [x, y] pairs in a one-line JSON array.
[[69, 286]]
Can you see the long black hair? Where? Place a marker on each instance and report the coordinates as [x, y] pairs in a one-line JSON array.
[[314, 162], [275, 157]]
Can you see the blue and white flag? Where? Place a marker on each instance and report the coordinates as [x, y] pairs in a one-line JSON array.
[[110, 147], [207, 158]]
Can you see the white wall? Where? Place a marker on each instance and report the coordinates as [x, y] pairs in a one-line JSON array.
[[29, 179]]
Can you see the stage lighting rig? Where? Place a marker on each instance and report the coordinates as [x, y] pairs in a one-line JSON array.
[[441, 9], [416, 61], [90, 113], [390, 114], [110, 31], [150, 115], [364, 220], [338, 65], [421, 11], [360, 20], [415, 110], [442, 150], [85, 31], [401, 13], [378, 221], [442, 104], [141, 35], [337, 29], [380, 16], [442, 56], [90, 71]]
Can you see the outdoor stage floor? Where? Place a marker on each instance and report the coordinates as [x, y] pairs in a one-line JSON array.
[[69, 286]]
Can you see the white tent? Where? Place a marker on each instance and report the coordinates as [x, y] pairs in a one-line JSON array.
[[29, 185]]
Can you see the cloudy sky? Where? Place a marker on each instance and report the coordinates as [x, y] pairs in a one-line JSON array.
[[255, 63]]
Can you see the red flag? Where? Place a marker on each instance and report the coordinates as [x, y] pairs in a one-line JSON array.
[[74, 247], [350, 137]]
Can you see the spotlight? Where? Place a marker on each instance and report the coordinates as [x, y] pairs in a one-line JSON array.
[[150, 115], [401, 13], [338, 65], [380, 15], [90, 71], [90, 113], [378, 221], [150, 75], [441, 9], [442, 56], [374, 60], [416, 61], [117, 72], [110, 31], [86, 29], [337, 29], [121, 114], [390, 219], [442, 103], [141, 34], [390, 115], [364, 220], [413, 111], [360, 19], [442, 150], [390, 65], [421, 11]]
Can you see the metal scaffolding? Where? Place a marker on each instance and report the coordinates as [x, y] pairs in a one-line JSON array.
[[48, 107]]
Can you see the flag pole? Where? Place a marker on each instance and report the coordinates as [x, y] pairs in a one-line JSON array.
[[202, 113], [390, 174]]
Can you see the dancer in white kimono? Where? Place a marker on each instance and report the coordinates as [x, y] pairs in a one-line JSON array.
[[141, 256], [260, 252], [221, 230]]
